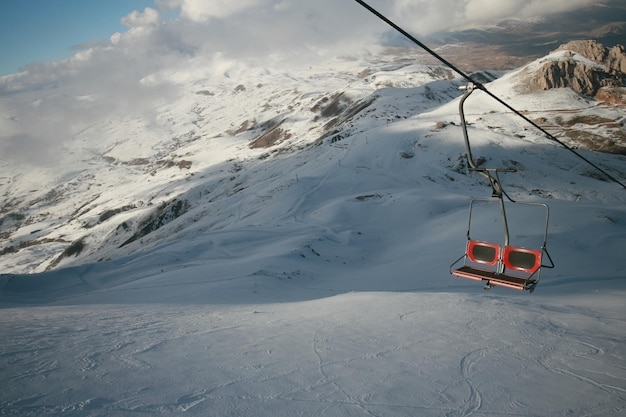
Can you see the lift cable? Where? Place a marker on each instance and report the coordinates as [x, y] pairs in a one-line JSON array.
[[483, 88]]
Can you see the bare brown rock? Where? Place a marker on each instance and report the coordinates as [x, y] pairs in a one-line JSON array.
[[615, 96], [616, 60], [559, 74], [273, 136], [589, 49], [613, 59], [581, 77]]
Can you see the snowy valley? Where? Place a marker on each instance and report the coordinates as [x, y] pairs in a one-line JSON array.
[[271, 241]]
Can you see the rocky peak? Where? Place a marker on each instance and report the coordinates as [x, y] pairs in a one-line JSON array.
[[613, 59], [616, 60], [581, 76]]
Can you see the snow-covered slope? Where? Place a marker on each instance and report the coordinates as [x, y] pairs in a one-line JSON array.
[[115, 173], [193, 273]]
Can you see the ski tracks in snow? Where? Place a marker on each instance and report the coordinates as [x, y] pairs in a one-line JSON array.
[[474, 400], [316, 347], [361, 354]]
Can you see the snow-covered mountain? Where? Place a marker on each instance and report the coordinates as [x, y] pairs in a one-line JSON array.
[[123, 178], [271, 241], [121, 181]]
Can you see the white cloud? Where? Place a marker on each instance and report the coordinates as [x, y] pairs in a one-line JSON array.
[[203, 10], [282, 6], [128, 73], [116, 37], [426, 16], [149, 16], [543, 7], [248, 29], [486, 10]]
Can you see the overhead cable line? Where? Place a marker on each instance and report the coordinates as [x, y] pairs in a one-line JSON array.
[[480, 86]]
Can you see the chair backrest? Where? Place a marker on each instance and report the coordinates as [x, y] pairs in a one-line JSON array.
[[483, 252], [522, 259]]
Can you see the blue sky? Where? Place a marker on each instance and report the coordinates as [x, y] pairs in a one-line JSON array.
[[43, 30]]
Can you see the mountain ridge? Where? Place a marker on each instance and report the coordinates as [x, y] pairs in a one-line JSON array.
[[208, 164]]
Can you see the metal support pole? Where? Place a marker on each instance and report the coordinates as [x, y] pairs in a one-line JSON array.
[[494, 179], [470, 159]]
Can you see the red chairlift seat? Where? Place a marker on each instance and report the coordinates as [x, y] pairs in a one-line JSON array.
[[512, 266], [522, 260], [481, 252]]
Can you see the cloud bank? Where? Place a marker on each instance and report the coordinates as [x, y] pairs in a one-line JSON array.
[[44, 105], [249, 29], [426, 16]]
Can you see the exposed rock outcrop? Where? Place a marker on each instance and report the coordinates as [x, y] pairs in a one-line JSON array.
[[607, 69], [616, 60], [613, 59], [579, 77]]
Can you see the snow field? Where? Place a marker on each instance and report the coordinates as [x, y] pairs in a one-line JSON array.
[[356, 353]]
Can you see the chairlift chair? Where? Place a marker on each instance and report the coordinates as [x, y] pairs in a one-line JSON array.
[[505, 265]]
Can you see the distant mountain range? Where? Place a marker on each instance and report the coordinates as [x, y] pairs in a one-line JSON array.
[[514, 42]]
